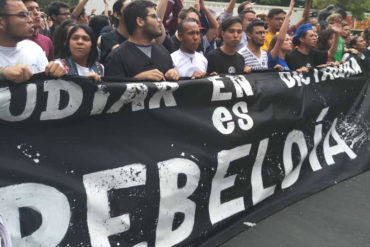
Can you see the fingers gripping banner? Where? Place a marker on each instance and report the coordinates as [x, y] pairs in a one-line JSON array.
[[187, 163]]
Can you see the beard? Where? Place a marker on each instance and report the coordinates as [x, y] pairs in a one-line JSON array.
[[151, 32]]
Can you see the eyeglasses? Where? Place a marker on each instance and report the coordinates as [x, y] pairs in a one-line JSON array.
[[154, 16], [279, 18], [22, 15]]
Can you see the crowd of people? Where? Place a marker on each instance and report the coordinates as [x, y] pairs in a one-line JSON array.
[[140, 39]]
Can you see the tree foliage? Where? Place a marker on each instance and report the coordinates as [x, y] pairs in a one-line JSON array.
[[356, 7], [44, 4]]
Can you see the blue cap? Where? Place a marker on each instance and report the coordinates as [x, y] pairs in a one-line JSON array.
[[301, 30]]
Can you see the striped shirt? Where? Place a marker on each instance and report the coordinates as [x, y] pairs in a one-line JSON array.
[[257, 63]]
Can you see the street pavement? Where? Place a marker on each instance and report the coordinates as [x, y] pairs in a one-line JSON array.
[[336, 217]]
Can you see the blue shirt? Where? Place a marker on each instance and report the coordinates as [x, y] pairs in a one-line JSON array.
[[271, 63]]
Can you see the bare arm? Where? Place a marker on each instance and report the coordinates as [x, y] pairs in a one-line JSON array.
[[78, 10], [333, 48], [283, 31], [106, 7], [213, 25], [230, 7], [161, 8], [305, 15]]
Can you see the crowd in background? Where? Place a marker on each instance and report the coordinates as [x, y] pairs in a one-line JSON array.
[[165, 41]]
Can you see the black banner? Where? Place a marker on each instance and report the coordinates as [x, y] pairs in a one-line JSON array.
[[187, 163]]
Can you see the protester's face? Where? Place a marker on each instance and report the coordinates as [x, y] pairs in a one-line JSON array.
[[310, 39], [80, 44], [63, 15], [17, 28], [287, 44], [152, 26], [276, 21], [34, 9], [346, 31], [330, 41], [232, 35], [248, 17], [190, 38], [248, 7], [258, 36], [360, 44]]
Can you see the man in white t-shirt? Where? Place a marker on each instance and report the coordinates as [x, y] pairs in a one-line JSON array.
[[254, 57], [186, 60], [20, 58]]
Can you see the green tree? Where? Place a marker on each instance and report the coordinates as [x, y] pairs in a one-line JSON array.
[[356, 7], [44, 4]]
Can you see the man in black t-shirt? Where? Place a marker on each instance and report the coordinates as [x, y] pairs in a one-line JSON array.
[[226, 60], [305, 56], [138, 57], [114, 38]]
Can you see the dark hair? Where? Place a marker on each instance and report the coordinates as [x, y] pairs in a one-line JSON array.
[[134, 10], [274, 12], [25, 1], [93, 54], [242, 14], [60, 36], [241, 6], [184, 12], [97, 23], [254, 23], [322, 41], [230, 21], [55, 6], [272, 43], [353, 41], [3, 6], [180, 26]]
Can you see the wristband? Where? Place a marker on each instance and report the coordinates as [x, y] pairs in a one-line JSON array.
[[2, 73]]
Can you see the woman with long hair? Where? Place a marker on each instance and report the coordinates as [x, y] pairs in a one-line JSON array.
[[325, 41], [82, 54]]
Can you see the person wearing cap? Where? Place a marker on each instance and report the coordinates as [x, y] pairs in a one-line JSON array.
[[305, 55], [187, 61]]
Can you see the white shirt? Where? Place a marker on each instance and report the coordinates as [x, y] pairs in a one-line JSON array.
[[25, 52], [186, 63], [257, 63]]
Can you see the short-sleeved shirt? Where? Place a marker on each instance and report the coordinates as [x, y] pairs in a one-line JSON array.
[[128, 60], [46, 45], [296, 60], [273, 62], [186, 64], [268, 39], [26, 53], [257, 63], [220, 62]]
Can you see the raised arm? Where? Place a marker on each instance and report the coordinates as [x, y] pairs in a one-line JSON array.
[[106, 7], [337, 27], [283, 31], [161, 8], [305, 15], [79, 8], [212, 22]]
